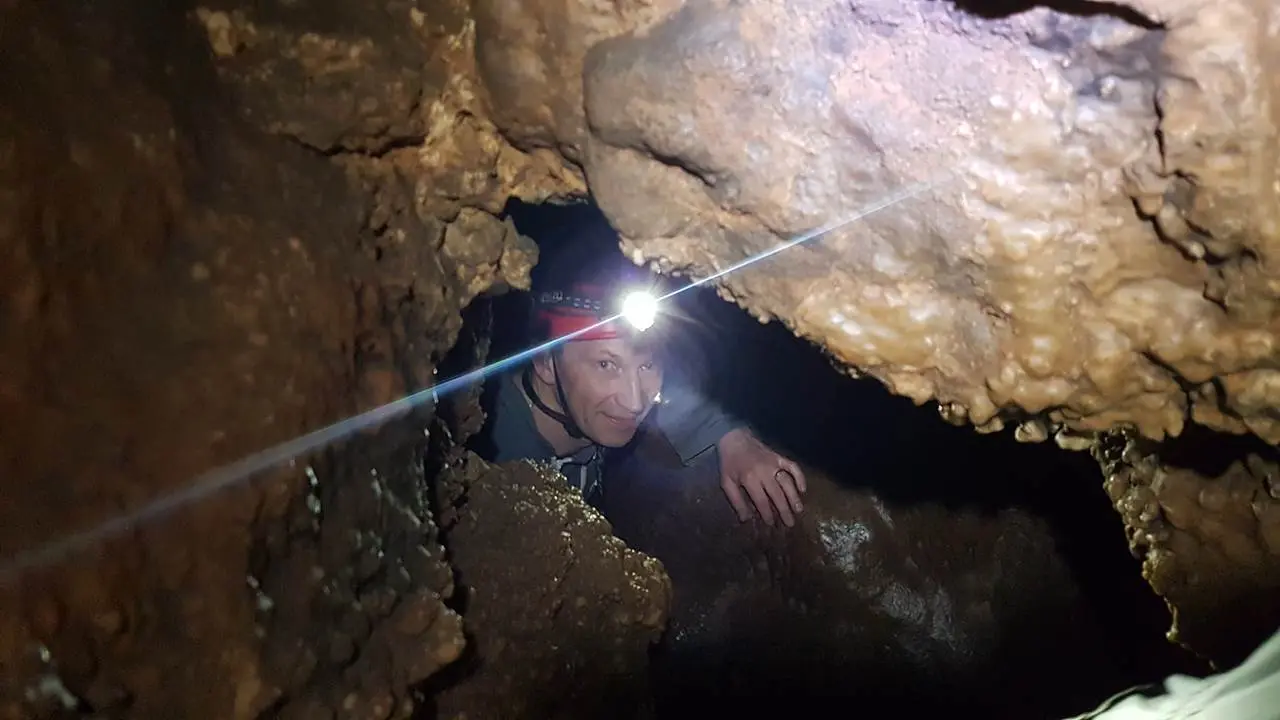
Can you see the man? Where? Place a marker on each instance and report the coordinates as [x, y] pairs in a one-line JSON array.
[[592, 393]]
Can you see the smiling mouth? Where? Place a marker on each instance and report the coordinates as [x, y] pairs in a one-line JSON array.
[[627, 423]]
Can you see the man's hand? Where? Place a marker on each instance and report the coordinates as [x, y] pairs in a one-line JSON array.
[[769, 479]]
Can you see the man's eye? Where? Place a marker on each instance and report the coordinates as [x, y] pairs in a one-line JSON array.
[[647, 366], [606, 364]]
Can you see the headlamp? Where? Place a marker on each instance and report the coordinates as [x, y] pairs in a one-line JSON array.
[[580, 313], [640, 309]]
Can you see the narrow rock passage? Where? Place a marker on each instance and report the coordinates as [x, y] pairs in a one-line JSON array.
[[934, 568], [226, 224]]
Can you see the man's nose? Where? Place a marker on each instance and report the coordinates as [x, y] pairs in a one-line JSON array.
[[632, 397]]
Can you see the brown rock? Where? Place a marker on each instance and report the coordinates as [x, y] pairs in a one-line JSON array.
[[1210, 547], [539, 652], [227, 227]]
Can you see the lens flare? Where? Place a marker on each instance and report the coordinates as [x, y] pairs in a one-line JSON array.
[[640, 309]]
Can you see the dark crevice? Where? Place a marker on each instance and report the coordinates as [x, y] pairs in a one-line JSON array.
[[1209, 453], [383, 149], [998, 9]]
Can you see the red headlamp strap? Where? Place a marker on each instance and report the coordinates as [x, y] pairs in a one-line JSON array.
[[559, 325], [581, 308]]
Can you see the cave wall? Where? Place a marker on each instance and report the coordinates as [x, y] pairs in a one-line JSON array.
[[1090, 244], [1094, 253], [900, 607], [1204, 517], [1091, 253], [292, 201], [224, 227], [562, 613], [1086, 259], [159, 299]]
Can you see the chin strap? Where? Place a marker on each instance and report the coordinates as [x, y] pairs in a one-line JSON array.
[[571, 427]]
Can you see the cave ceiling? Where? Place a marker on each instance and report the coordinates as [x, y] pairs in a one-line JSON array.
[[1094, 245]]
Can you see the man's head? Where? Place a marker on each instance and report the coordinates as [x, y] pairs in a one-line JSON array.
[[607, 387], [603, 381]]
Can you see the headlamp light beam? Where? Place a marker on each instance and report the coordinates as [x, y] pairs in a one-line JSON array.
[[643, 307]]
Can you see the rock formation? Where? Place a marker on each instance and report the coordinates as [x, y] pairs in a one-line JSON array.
[[1100, 195], [227, 224], [205, 258], [891, 607], [1086, 258], [1204, 515]]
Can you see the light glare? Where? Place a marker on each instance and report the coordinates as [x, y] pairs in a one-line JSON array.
[[12, 567], [640, 309]]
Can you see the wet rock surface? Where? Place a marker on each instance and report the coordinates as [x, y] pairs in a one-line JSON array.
[[909, 609], [932, 570], [161, 293], [226, 224], [350, 589], [1083, 260], [206, 275], [1204, 515], [562, 612]]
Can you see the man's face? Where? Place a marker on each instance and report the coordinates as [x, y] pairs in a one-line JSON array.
[[610, 385]]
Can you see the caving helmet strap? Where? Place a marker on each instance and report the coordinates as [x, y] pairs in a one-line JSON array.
[[570, 426]]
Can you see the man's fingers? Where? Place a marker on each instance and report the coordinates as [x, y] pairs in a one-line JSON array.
[[761, 499], [734, 494], [773, 486], [797, 474], [788, 484]]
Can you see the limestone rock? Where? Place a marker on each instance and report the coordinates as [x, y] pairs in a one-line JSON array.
[[166, 289], [352, 585], [1204, 516], [390, 92], [183, 289], [488, 252], [224, 225], [562, 612], [531, 62], [1100, 198], [902, 599]]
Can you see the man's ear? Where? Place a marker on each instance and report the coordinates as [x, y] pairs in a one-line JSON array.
[[544, 368]]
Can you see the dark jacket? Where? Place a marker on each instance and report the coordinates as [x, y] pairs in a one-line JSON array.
[[688, 419]]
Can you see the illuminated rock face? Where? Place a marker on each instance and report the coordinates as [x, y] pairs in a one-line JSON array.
[[1206, 522], [318, 179], [219, 232], [1094, 249], [1095, 254]]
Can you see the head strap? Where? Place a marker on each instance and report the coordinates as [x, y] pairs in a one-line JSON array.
[[564, 418]]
